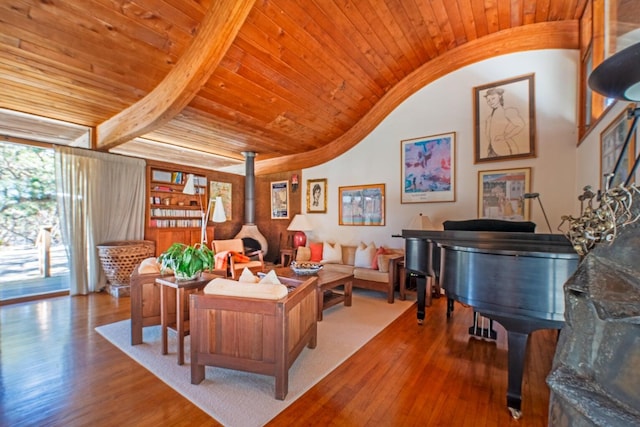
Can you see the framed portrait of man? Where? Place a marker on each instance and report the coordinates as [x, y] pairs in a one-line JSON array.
[[317, 195], [504, 120]]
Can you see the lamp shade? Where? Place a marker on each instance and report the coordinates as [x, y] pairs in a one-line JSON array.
[[300, 223], [190, 185], [421, 222], [619, 75], [218, 211]]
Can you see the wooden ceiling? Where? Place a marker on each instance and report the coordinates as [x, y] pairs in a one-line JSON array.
[[201, 81]]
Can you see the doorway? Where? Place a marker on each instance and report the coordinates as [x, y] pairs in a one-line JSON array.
[[33, 262]]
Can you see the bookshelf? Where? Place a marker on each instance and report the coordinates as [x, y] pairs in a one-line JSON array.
[[172, 215]]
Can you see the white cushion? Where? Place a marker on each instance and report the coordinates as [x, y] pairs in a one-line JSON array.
[[271, 278], [149, 266], [331, 253], [248, 277], [231, 288], [364, 255]]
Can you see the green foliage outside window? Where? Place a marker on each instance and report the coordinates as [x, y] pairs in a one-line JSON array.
[[27, 194]]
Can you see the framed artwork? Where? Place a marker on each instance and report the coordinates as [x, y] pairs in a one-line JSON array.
[[361, 205], [501, 194], [280, 200], [222, 189], [613, 149], [317, 195], [504, 120], [428, 169]]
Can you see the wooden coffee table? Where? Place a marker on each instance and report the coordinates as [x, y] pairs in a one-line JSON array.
[[328, 281]]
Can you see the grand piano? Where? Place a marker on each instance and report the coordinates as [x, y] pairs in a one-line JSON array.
[[515, 279]]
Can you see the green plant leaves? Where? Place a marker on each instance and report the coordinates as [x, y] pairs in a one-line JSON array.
[[187, 260]]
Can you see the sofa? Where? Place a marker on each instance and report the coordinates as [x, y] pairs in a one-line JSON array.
[[253, 327], [374, 268]]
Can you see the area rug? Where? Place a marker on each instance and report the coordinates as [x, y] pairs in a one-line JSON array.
[[243, 399]]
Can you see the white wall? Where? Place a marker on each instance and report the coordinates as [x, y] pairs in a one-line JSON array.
[[588, 153], [444, 106]]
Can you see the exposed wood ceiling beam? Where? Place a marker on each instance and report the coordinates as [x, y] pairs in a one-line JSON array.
[[545, 35], [219, 28]]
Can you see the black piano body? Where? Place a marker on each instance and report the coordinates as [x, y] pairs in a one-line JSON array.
[[515, 279]]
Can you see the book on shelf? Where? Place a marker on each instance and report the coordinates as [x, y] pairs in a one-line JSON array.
[[175, 223], [176, 177]]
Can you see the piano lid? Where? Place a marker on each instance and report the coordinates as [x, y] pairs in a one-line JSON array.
[[497, 240]]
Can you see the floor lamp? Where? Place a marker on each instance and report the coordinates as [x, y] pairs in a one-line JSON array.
[[218, 215], [190, 188]]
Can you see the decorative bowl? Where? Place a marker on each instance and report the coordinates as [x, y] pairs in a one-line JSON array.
[[305, 268]]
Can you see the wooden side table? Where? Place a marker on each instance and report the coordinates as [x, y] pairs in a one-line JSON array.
[[182, 287]]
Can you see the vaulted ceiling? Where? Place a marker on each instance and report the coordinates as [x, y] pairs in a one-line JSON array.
[[201, 81]]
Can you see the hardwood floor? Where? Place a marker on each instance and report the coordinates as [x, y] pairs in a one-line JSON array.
[[56, 370]]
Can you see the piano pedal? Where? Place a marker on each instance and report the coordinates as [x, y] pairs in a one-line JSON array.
[[482, 331]]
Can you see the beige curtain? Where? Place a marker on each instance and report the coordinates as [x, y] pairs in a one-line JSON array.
[[100, 199]]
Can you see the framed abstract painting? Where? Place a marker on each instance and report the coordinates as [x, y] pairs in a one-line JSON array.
[[428, 169]]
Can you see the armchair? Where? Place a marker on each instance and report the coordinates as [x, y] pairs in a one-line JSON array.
[[251, 333], [231, 250]]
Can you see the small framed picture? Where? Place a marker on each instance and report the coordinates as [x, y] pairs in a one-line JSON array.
[[614, 152], [362, 205], [280, 200], [501, 194], [317, 195]]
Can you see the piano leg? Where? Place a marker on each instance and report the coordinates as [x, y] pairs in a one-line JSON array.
[[421, 291], [423, 295], [449, 307], [518, 331], [517, 348]]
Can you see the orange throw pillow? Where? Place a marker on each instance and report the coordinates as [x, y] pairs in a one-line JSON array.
[[316, 251], [240, 258], [380, 251]]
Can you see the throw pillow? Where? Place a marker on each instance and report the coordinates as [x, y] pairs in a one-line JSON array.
[[383, 262], [331, 253], [380, 251], [316, 251], [303, 253], [364, 255], [247, 276], [271, 278]]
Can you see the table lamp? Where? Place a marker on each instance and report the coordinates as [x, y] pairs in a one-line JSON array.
[[421, 222], [300, 224]]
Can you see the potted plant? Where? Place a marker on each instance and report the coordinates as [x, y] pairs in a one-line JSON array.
[[187, 261]]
